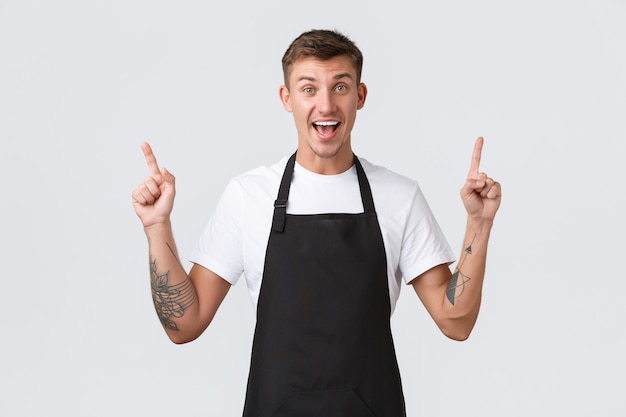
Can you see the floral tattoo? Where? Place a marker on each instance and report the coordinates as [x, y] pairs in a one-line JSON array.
[[170, 301]]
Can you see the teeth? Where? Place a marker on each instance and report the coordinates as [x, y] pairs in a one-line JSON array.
[[335, 123]]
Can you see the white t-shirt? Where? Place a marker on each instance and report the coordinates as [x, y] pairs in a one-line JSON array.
[[235, 239]]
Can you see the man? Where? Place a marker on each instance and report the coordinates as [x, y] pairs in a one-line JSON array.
[[324, 240]]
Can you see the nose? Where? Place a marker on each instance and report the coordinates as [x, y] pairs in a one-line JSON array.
[[325, 102]]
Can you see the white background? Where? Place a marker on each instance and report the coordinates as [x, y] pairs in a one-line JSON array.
[[82, 83]]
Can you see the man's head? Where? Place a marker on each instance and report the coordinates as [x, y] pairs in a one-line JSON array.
[[323, 91], [323, 45]]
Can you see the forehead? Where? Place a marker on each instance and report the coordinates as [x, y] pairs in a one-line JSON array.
[[312, 68]]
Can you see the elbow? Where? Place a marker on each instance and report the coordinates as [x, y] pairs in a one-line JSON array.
[[458, 329], [458, 335], [179, 338], [181, 333]]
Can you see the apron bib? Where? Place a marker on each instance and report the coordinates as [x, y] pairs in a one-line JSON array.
[[322, 345]]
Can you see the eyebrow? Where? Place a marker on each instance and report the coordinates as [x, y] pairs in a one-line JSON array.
[[336, 77]]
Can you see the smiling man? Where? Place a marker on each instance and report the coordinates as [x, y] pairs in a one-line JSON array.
[[324, 96], [325, 240]]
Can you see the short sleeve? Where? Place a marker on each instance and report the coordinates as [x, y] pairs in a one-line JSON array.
[[220, 247], [424, 245]]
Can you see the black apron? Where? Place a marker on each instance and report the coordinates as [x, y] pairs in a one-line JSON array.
[[322, 344]]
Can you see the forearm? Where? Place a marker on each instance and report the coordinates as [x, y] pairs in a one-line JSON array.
[[464, 290], [173, 293]]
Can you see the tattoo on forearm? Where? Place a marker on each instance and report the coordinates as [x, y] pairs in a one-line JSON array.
[[456, 286], [170, 301]]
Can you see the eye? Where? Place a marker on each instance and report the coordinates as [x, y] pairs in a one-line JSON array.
[[341, 88], [308, 90]]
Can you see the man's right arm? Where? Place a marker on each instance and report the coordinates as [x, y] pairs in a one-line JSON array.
[[185, 303]]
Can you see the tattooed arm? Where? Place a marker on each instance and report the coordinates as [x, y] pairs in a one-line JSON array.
[[185, 303], [453, 298]]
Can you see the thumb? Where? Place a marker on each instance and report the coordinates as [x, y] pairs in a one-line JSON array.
[[168, 177], [471, 186]]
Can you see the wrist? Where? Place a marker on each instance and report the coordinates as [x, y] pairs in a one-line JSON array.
[[158, 228], [478, 223]]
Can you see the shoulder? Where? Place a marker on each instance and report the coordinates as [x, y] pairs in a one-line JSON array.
[[260, 180], [256, 185], [263, 173], [388, 181], [395, 195]]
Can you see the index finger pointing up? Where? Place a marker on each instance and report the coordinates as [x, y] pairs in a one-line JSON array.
[[150, 158], [478, 148]]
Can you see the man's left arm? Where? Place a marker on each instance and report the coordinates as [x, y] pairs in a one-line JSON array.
[[453, 298]]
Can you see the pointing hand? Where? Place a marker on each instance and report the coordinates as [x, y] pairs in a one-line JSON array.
[[481, 195], [153, 200]]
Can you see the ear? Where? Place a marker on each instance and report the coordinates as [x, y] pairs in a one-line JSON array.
[[285, 98], [362, 94]]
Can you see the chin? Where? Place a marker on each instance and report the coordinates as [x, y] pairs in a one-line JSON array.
[[326, 150]]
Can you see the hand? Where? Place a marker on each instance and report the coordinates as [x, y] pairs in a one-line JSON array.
[[153, 200], [481, 195]]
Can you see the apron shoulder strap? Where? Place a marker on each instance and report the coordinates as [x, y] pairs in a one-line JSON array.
[[280, 205], [364, 186]]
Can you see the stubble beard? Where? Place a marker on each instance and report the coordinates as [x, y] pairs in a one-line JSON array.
[[327, 151]]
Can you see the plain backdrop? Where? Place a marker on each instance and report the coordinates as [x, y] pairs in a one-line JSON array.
[[82, 83]]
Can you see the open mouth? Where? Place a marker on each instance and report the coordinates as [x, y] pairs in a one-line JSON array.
[[326, 127]]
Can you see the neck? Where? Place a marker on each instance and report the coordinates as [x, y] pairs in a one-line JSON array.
[[341, 162]]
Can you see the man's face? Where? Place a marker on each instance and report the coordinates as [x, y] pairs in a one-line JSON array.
[[323, 97]]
